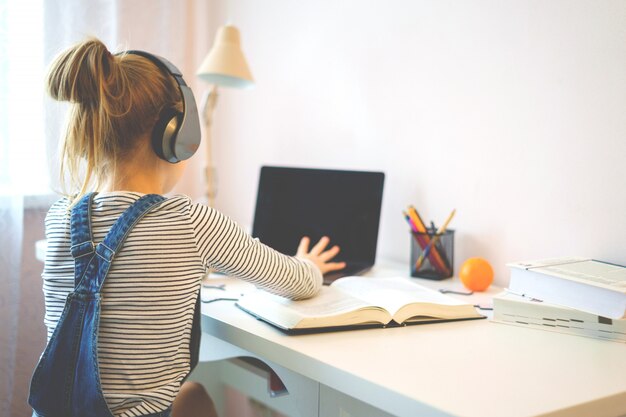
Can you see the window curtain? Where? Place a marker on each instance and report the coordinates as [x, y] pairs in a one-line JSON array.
[[179, 30], [11, 220], [17, 51]]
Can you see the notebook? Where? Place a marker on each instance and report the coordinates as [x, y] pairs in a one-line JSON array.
[[343, 205]]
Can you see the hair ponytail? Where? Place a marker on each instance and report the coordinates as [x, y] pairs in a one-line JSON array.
[[78, 73], [115, 99]]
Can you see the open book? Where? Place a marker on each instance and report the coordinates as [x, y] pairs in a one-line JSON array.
[[358, 302]]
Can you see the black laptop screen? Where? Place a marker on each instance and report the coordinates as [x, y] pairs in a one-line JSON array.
[[296, 202]]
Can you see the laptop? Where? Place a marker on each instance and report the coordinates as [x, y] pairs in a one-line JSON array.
[[343, 205]]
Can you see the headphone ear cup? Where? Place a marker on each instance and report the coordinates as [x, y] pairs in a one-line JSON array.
[[164, 135]]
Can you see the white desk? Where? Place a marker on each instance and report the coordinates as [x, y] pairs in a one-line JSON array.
[[470, 369]]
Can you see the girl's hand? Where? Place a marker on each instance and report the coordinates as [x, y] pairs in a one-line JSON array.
[[319, 256]]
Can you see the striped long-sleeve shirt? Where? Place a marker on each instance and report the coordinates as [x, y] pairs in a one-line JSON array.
[[149, 294]]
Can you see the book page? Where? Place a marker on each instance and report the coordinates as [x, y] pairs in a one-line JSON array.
[[392, 293], [328, 302], [544, 262], [330, 307], [592, 272]]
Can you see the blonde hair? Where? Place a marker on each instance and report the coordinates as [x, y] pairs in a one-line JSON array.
[[115, 99]]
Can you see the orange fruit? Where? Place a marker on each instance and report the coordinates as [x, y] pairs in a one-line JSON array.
[[476, 274]]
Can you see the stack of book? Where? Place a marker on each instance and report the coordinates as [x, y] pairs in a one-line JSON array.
[[578, 296]]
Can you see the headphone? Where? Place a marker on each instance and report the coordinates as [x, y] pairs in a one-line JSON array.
[[176, 135]]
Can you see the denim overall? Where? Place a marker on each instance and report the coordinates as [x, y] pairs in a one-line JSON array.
[[66, 382]]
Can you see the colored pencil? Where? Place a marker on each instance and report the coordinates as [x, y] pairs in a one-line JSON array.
[[434, 240]]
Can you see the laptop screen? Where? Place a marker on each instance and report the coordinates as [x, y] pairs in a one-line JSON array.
[[343, 205]]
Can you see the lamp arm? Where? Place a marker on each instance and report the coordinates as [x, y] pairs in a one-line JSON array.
[[208, 105]]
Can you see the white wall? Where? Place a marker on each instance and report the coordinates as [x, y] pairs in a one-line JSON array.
[[512, 112]]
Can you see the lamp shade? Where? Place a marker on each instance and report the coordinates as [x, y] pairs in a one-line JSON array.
[[225, 64]]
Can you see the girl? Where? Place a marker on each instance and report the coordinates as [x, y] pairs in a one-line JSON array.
[[148, 297]]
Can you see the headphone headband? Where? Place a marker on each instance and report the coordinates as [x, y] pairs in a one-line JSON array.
[[176, 136]]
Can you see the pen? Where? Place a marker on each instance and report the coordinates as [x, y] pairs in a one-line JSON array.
[[434, 240], [409, 221]]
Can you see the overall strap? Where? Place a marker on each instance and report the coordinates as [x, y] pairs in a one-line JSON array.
[[105, 251], [80, 235]]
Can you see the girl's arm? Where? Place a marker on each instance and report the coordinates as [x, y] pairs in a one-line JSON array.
[[224, 246]]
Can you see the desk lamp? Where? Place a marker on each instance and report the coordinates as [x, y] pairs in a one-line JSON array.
[[225, 65]]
